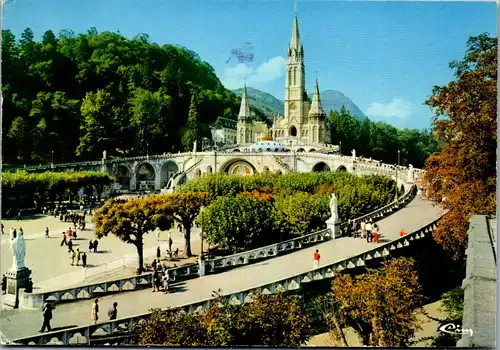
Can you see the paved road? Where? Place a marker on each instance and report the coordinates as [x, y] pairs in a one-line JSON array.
[[418, 213]]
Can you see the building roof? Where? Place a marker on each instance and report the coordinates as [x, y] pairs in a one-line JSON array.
[[224, 123], [245, 106], [316, 105]]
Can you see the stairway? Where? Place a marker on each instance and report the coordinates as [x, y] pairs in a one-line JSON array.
[[283, 164]]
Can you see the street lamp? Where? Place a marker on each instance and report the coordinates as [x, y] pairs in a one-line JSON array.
[[52, 157], [201, 238], [147, 149], [396, 190], [340, 147]]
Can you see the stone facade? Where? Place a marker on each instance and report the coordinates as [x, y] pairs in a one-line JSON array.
[[223, 131], [304, 121]]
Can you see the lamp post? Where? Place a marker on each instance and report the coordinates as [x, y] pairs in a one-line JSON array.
[[340, 147], [52, 162], [201, 234], [147, 150], [396, 190]]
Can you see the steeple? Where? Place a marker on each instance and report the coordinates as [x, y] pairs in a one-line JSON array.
[[245, 107], [295, 50], [316, 106]]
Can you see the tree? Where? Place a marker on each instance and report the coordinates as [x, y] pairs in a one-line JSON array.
[[381, 305], [269, 320], [131, 220], [462, 177], [240, 223], [184, 208], [192, 132]]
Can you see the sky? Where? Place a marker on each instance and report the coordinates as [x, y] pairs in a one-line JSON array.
[[385, 56]]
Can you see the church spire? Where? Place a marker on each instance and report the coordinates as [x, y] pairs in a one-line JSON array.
[[316, 106], [295, 42], [245, 107]]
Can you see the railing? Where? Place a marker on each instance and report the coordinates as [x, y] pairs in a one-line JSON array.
[[123, 325], [282, 163]]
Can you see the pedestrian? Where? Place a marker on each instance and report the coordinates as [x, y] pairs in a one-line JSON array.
[[170, 242], [316, 257], [354, 229], [46, 232], [166, 279], [95, 311], [72, 256], [153, 264], [2, 229], [84, 259], [154, 280], [402, 233], [158, 253], [363, 229], [78, 256], [70, 246], [47, 316], [112, 313], [368, 231], [91, 245], [95, 246], [157, 230], [19, 215], [4, 284], [21, 232], [11, 232], [63, 241]]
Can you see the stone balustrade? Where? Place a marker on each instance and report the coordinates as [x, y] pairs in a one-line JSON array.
[[84, 334]]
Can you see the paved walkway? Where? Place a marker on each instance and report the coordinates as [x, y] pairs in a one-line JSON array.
[[418, 213], [50, 263]]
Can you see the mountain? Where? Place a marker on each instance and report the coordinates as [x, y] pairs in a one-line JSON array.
[[270, 105], [266, 103], [333, 99]]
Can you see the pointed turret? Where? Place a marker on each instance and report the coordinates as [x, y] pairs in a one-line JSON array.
[[245, 107], [316, 106], [295, 50]]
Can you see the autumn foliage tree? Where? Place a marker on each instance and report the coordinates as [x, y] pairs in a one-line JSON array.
[[273, 320], [463, 175], [380, 305], [130, 220]]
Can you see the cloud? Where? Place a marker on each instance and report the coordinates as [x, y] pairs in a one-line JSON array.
[[234, 77], [397, 108]]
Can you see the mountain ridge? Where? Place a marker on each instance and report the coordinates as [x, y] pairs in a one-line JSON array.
[[270, 105]]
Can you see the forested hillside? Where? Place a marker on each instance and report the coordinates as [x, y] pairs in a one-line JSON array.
[[78, 94]]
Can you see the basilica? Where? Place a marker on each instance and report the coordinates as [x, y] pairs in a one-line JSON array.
[[304, 122]]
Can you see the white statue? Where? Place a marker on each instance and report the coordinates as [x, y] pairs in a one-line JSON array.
[[18, 247], [333, 207], [194, 146], [353, 152], [104, 154]]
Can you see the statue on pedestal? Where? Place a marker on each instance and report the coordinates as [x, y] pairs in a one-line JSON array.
[[18, 247], [194, 146], [353, 152], [104, 154], [333, 208]]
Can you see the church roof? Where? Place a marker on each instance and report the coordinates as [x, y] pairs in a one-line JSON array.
[[316, 105], [245, 106], [224, 123]]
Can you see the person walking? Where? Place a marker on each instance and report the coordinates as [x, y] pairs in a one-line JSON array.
[[166, 279], [363, 229], [113, 311], [156, 281], [72, 255], [369, 231], [84, 259], [95, 311], [47, 316], [316, 257], [153, 264], [78, 256], [91, 246], [158, 253], [95, 246], [2, 228], [46, 232], [70, 245], [157, 231], [170, 242], [64, 241]]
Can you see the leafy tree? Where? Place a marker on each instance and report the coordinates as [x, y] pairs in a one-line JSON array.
[[192, 132], [269, 320], [381, 305], [463, 175], [131, 220], [240, 223]]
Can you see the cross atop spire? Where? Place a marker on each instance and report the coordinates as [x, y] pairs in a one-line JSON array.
[[295, 7]]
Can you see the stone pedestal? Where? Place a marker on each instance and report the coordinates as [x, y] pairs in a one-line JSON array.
[[334, 226], [201, 265], [16, 280]]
